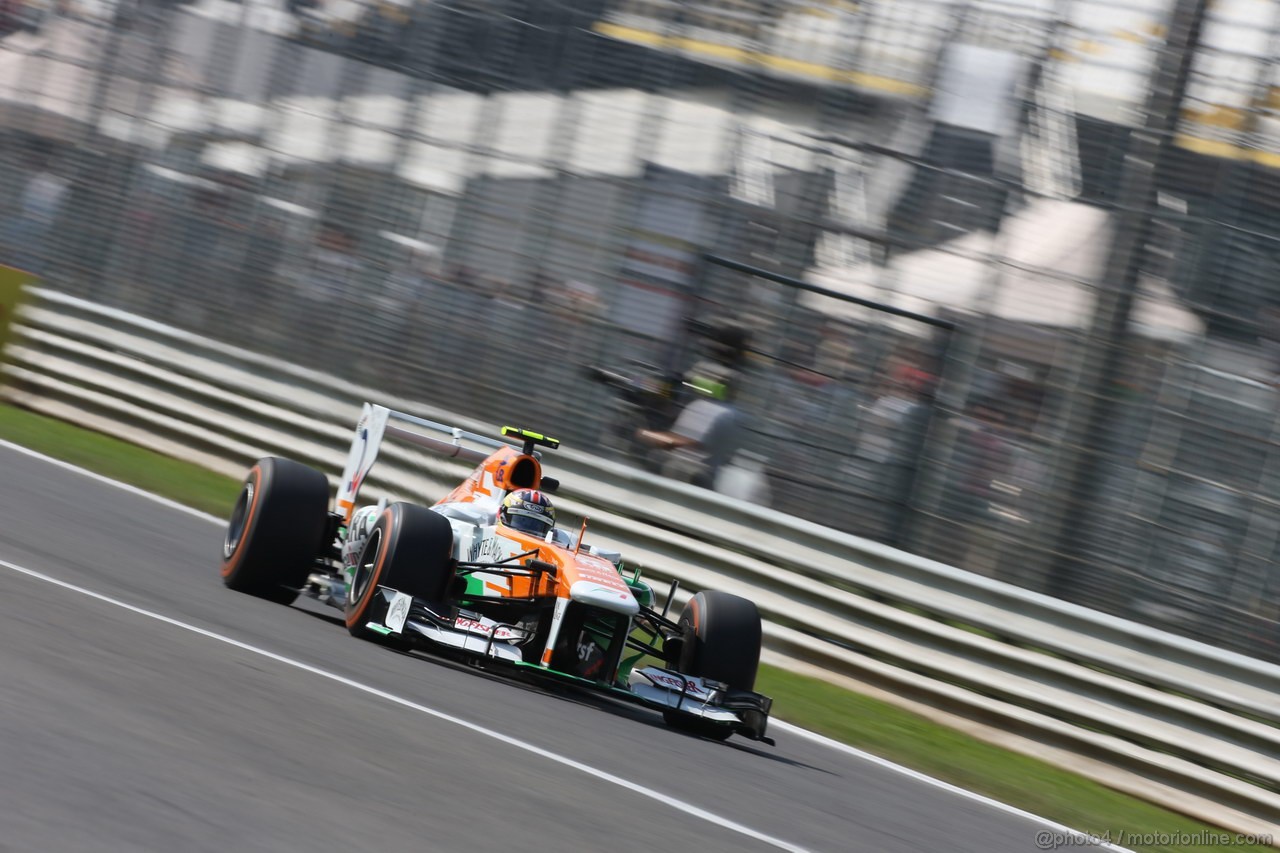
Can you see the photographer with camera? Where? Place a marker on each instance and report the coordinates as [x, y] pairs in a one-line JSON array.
[[708, 432], [687, 426]]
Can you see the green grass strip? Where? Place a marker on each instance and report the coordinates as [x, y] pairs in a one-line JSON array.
[[172, 478], [1011, 777], [861, 721]]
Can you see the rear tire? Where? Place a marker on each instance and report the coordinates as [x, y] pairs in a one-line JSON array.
[[276, 529], [410, 550], [721, 642]]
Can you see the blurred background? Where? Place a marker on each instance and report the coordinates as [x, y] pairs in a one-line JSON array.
[[995, 283]]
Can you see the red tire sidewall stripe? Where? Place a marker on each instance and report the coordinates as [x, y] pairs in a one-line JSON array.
[[230, 564], [693, 611], [358, 612]]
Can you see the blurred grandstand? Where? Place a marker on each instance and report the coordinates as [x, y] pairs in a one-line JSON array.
[[370, 188]]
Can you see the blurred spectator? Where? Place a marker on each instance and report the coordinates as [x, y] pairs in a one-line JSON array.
[[908, 366], [460, 295], [504, 307], [409, 309], [26, 238], [203, 232], [468, 295], [799, 403], [905, 378], [408, 289], [573, 326], [576, 302], [723, 340], [325, 286], [331, 272], [884, 418], [504, 297], [982, 457], [909, 414], [138, 241], [266, 245], [10, 16], [214, 234], [838, 351], [504, 315], [1269, 341]]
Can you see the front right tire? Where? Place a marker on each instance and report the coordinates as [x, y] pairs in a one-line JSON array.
[[410, 550], [722, 635]]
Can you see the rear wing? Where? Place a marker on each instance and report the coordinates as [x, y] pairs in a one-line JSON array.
[[378, 421]]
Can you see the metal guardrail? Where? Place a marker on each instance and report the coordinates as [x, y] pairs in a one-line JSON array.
[[1199, 722]]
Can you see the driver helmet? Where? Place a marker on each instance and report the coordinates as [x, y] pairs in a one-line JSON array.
[[529, 511]]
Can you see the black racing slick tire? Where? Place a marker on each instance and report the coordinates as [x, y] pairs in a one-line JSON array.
[[722, 635], [410, 550], [276, 529]]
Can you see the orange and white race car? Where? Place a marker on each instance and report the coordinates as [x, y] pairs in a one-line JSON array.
[[466, 577]]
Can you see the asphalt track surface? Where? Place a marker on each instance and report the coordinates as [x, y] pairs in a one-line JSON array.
[[232, 724]]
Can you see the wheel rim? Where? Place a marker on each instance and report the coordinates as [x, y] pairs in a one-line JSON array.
[[239, 521], [365, 564]]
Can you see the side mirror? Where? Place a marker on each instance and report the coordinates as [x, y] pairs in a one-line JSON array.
[[549, 484], [540, 566]]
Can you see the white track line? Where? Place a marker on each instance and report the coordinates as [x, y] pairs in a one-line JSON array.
[[605, 776], [776, 724]]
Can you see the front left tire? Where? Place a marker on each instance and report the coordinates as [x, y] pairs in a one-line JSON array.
[[276, 529]]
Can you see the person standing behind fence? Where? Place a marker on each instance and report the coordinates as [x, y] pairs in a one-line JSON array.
[[575, 308], [910, 412], [327, 283], [334, 268], [1269, 342], [983, 458], [264, 248], [27, 237], [408, 315]]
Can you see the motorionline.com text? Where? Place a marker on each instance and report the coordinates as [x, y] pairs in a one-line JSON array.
[[1052, 840]]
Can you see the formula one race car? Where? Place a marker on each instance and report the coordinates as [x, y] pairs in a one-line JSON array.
[[470, 576]]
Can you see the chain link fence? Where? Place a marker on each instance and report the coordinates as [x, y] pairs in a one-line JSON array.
[[551, 212]]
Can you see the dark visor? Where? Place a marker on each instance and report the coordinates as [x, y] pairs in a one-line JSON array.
[[529, 524]]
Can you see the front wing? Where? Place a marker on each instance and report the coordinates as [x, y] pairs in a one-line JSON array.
[[746, 712]]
